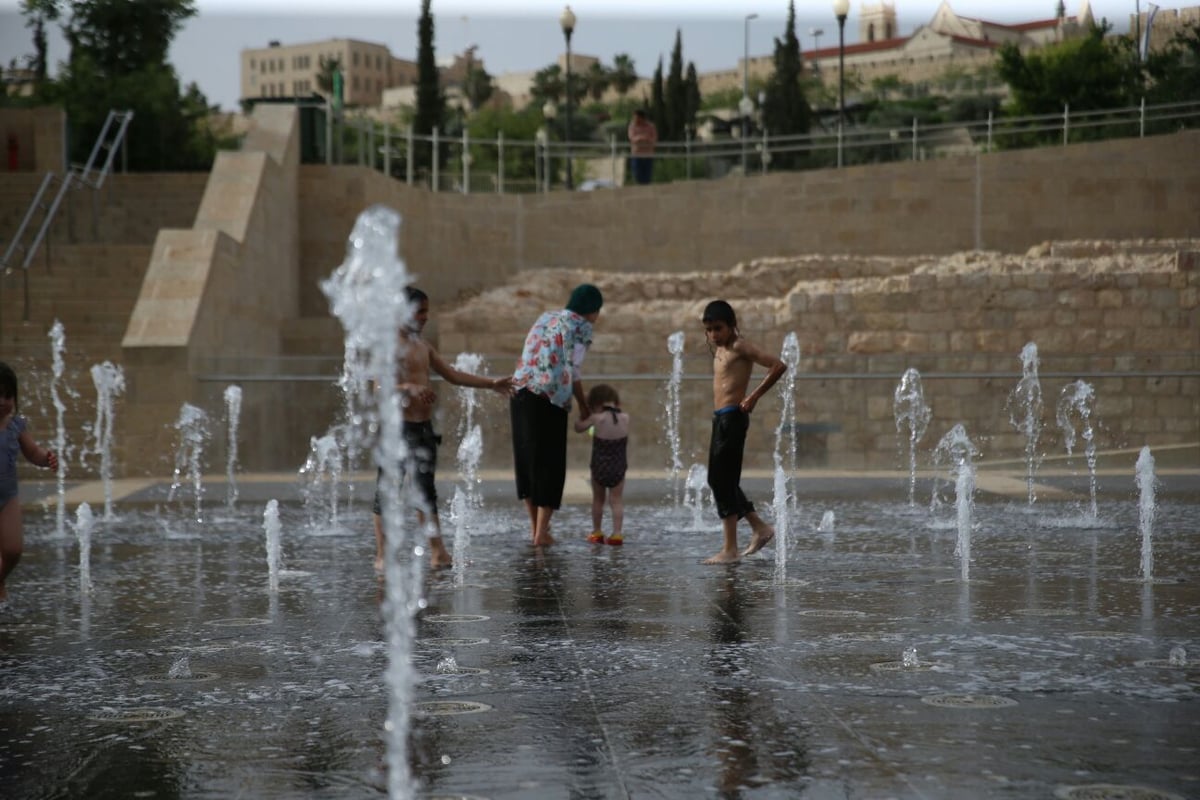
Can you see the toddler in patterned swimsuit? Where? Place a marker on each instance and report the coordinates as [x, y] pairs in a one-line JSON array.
[[14, 439], [610, 436]]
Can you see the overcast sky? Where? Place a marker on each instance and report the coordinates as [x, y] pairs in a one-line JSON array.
[[524, 35]]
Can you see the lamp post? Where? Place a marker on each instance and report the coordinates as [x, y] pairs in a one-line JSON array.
[[816, 34], [567, 21], [745, 106], [840, 9]]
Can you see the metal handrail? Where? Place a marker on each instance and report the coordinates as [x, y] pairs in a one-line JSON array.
[[382, 145], [48, 220], [73, 177], [15, 244]]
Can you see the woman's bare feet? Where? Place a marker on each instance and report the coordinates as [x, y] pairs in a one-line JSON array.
[[763, 534], [724, 557], [439, 556]]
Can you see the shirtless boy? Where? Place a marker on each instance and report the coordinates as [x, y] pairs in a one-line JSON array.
[[733, 359], [415, 389]]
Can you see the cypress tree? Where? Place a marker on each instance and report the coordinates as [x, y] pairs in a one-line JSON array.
[[658, 106], [431, 104], [692, 87], [786, 110], [675, 94]]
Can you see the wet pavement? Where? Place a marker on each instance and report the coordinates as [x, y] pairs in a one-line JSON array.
[[589, 671]]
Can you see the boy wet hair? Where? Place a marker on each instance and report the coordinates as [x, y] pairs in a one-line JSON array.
[[719, 311]]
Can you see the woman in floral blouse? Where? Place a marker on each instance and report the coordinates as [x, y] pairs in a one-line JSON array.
[[546, 379]]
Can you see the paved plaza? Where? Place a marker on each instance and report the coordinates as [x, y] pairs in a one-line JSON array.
[[860, 666]]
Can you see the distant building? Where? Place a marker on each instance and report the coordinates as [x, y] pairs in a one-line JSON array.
[[18, 81], [948, 41], [291, 70]]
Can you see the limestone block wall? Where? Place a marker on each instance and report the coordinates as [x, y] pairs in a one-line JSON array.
[[40, 138], [219, 292], [1120, 316], [1005, 201], [128, 208]]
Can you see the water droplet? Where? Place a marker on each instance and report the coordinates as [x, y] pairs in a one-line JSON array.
[[445, 759], [910, 658], [1178, 657]]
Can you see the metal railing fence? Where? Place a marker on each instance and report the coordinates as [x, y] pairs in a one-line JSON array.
[[505, 165]]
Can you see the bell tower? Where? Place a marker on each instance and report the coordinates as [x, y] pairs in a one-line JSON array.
[[877, 22]]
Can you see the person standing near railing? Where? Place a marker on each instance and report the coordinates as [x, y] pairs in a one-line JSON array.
[[643, 136]]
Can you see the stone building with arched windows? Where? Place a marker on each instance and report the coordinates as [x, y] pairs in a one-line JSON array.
[[947, 43]]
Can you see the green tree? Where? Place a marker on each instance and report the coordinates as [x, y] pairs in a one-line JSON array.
[[478, 86], [122, 37], [694, 98], [658, 105], [118, 61], [675, 95], [1173, 72], [786, 111], [1090, 72], [326, 67], [519, 167], [596, 80], [37, 14], [431, 102], [549, 83], [623, 75]]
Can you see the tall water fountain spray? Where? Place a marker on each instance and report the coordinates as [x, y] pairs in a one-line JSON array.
[[673, 403], [109, 380], [1077, 403], [467, 499], [367, 293], [233, 416], [353, 385], [1146, 482], [1025, 412], [57, 345], [322, 474], [912, 413], [271, 528], [693, 497], [192, 426], [470, 447], [785, 455], [957, 452], [84, 523]]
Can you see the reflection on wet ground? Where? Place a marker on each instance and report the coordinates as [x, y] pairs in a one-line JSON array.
[[588, 671]]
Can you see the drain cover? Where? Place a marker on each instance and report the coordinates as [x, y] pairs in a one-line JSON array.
[[233, 622], [137, 715], [831, 612], [900, 666], [17, 625], [447, 708], [445, 641], [869, 636], [457, 671], [1155, 581], [454, 617], [1161, 663], [1108, 791], [967, 701], [163, 677], [1045, 612]]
